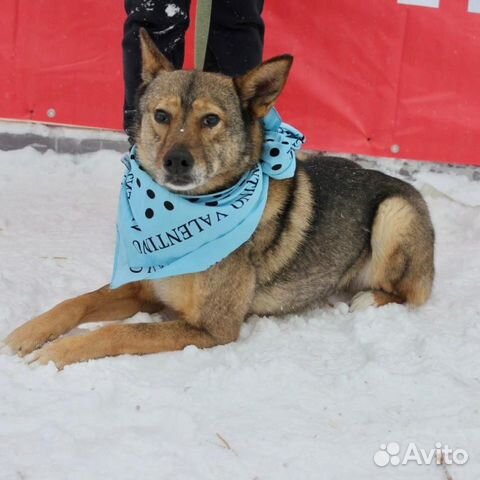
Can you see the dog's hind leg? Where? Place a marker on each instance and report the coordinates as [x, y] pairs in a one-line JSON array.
[[373, 298], [400, 267], [100, 305]]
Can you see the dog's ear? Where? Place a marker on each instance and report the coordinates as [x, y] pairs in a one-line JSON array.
[[153, 61], [259, 88]]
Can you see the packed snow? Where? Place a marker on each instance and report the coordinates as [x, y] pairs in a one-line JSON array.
[[313, 396]]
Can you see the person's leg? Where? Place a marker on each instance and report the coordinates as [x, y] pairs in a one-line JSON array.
[[166, 22], [235, 40]]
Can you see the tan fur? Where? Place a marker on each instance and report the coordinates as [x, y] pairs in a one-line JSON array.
[[269, 263], [202, 106], [101, 305], [312, 240], [153, 61], [383, 298], [401, 262], [116, 340], [269, 75]]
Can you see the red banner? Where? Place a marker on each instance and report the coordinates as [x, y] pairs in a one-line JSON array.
[[377, 77]]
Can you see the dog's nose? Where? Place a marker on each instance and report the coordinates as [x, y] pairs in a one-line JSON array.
[[178, 161]]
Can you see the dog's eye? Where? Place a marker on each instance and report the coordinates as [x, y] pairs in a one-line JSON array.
[[210, 120], [161, 116]]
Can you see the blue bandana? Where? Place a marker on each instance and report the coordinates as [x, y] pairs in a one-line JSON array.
[[161, 234]]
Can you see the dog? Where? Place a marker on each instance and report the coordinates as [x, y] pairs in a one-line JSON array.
[[334, 227]]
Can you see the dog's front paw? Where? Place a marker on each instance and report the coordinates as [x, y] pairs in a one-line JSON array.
[[66, 351], [28, 337], [61, 352]]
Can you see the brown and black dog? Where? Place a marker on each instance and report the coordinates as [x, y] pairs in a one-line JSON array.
[[334, 227]]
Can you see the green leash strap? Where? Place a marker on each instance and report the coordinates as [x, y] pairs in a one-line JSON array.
[[202, 27]]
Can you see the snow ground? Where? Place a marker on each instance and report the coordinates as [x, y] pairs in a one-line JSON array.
[[303, 397]]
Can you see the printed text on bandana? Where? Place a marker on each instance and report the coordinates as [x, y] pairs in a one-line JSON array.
[[195, 226]]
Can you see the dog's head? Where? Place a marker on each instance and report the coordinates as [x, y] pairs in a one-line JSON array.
[[199, 132]]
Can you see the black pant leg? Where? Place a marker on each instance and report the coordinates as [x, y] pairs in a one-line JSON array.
[[166, 22], [235, 40]]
